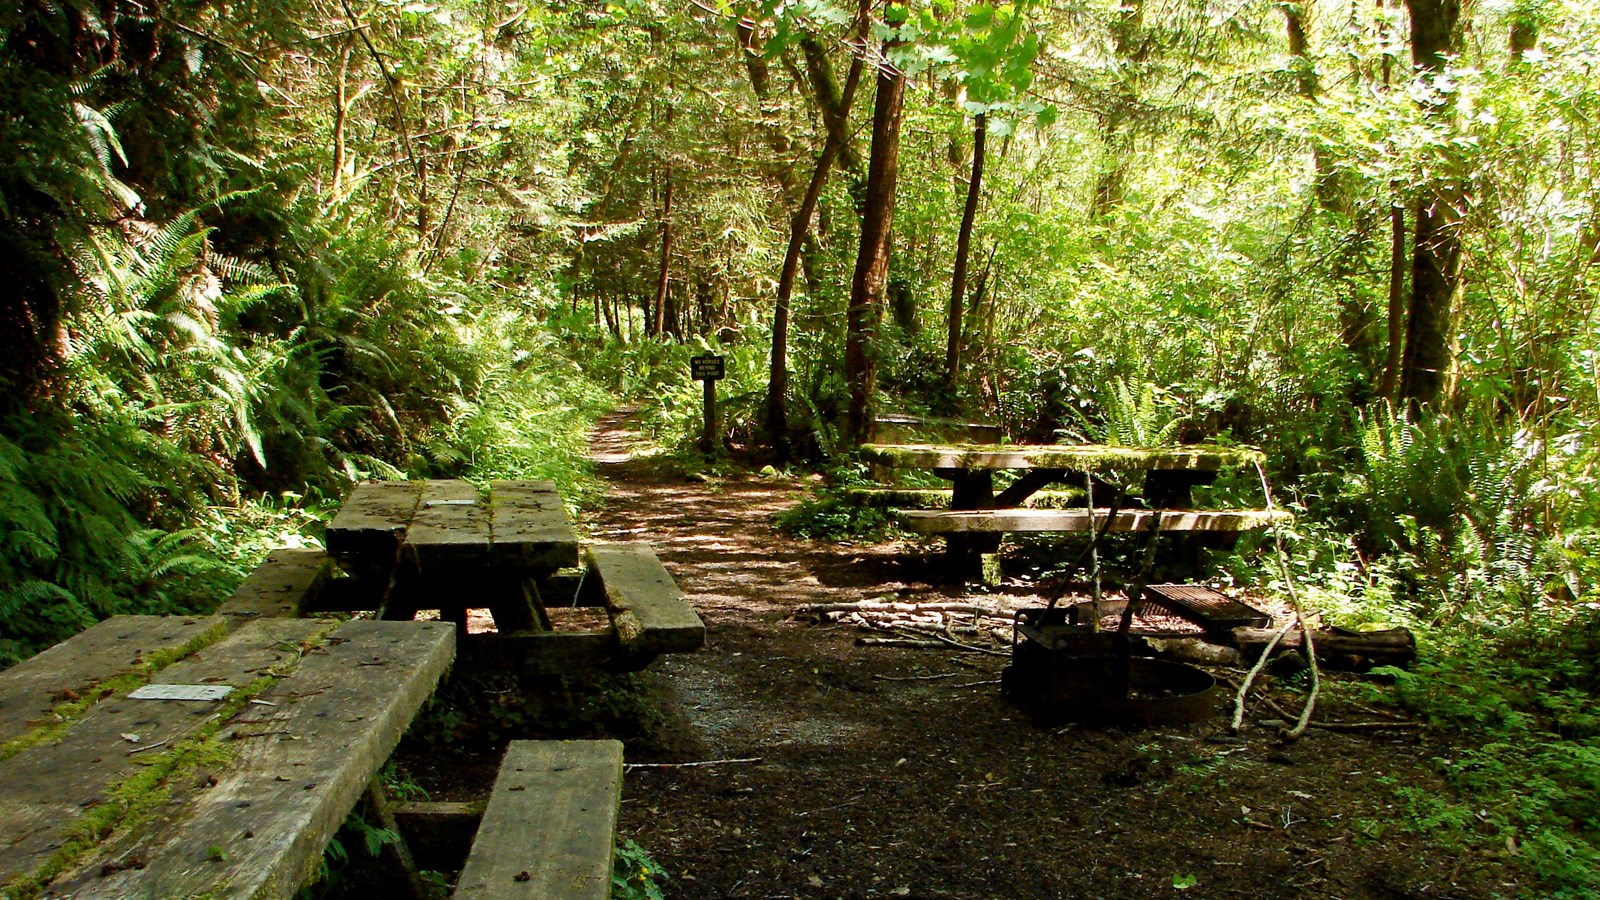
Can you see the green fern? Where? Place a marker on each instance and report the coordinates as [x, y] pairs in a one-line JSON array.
[[1128, 416]]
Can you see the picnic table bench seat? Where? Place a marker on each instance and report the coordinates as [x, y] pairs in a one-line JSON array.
[[648, 616], [991, 521], [549, 828], [939, 498], [285, 585]]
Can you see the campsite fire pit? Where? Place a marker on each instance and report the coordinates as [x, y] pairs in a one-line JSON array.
[[1066, 672]]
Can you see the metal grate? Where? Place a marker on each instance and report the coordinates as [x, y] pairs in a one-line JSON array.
[[1201, 604]]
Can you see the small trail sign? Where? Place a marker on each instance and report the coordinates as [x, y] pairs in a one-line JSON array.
[[706, 368]]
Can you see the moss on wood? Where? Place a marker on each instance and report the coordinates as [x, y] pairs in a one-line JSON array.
[[1070, 457], [62, 715], [138, 797]]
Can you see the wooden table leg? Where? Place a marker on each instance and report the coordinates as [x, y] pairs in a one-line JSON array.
[[404, 878], [514, 602], [970, 489], [1174, 489]]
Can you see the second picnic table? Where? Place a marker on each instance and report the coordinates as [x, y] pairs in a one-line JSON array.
[[977, 515]]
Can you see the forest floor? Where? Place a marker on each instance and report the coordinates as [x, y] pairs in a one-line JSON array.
[[894, 772]]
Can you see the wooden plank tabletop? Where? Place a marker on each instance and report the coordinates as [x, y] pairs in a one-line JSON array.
[[1069, 457], [230, 797], [373, 521], [438, 527], [530, 527], [450, 529]]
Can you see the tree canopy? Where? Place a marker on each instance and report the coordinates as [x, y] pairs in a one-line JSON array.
[[257, 250]]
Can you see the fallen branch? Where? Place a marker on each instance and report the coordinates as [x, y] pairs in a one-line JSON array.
[[1370, 726], [921, 627], [917, 677], [1250, 677], [753, 760], [968, 647], [1310, 648], [898, 642], [876, 606]]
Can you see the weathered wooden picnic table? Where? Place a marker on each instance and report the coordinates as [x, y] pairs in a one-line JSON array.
[[446, 545], [165, 756], [978, 516]]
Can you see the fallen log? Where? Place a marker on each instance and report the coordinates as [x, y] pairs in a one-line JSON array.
[[1337, 648]]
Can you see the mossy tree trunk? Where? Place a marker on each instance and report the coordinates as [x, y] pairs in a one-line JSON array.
[[872, 260]]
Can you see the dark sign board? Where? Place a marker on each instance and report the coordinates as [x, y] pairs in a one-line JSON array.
[[706, 368]]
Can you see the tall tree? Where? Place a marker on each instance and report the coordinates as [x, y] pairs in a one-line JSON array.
[[958, 275], [1436, 249], [1129, 45], [1357, 325], [872, 261], [835, 142]]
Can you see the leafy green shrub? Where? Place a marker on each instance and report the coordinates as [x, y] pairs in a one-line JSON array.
[[634, 875], [833, 517]]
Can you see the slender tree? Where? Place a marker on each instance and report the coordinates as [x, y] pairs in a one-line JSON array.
[[872, 261], [958, 276], [834, 144]]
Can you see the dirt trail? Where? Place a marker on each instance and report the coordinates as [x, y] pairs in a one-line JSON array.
[[876, 781]]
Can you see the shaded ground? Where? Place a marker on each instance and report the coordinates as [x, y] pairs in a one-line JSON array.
[[875, 780]]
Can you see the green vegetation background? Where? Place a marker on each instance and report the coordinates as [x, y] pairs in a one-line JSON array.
[[256, 251]]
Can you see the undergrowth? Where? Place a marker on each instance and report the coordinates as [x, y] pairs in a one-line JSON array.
[[1524, 782], [832, 516]]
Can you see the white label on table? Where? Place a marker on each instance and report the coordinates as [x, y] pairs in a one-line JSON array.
[[181, 692]]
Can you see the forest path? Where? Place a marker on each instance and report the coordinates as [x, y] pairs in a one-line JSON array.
[[877, 780]]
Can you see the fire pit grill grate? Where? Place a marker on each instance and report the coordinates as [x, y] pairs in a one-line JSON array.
[[1210, 608]]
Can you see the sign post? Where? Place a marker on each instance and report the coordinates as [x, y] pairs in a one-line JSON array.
[[708, 369]]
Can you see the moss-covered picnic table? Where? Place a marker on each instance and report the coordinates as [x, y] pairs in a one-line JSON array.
[[165, 756], [978, 516]]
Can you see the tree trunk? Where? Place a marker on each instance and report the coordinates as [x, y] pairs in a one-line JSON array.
[[1397, 300], [958, 276], [663, 282], [1436, 253], [831, 100], [1524, 30], [799, 227], [872, 261], [1117, 145], [1328, 195], [755, 67], [341, 115]]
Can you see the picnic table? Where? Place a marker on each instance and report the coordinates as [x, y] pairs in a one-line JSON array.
[[978, 515], [444, 544], [167, 756]]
